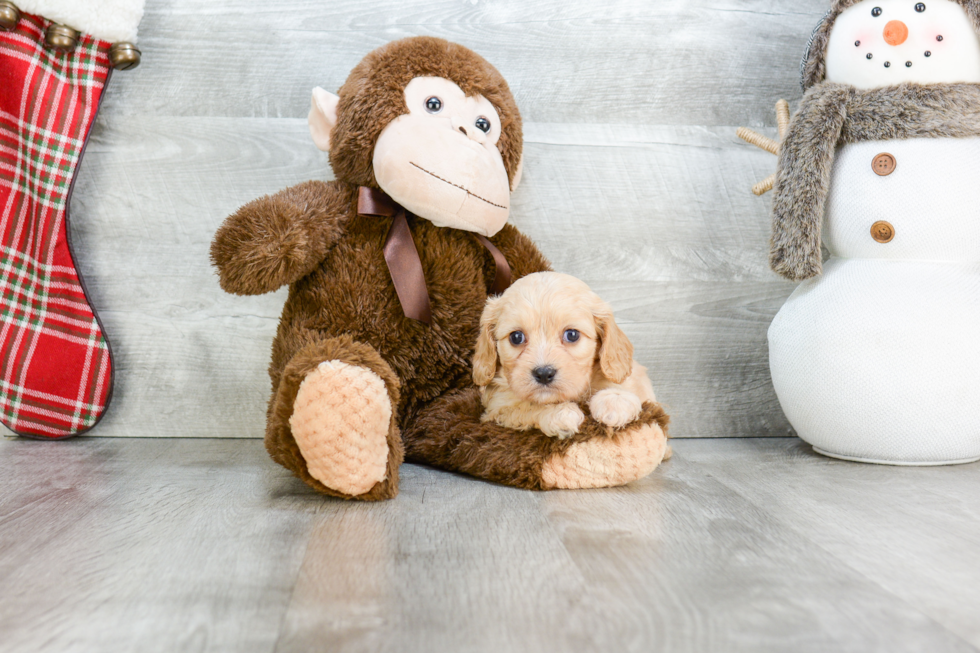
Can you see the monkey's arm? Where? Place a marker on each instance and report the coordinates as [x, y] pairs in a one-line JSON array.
[[449, 434], [278, 239], [802, 181], [521, 253]]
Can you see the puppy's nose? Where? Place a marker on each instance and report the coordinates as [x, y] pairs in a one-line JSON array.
[[544, 375]]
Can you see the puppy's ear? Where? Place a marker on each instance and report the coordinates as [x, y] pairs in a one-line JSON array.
[[485, 357], [615, 349]]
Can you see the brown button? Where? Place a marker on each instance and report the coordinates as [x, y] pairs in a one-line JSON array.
[[882, 232], [884, 164]]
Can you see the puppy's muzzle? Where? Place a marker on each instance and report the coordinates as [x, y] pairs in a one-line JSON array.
[[544, 375]]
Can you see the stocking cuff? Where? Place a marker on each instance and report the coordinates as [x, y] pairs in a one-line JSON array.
[[107, 20]]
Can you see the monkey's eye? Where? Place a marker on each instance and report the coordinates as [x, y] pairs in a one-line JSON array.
[[483, 124], [920, 7], [433, 105], [571, 336], [876, 12], [518, 338]]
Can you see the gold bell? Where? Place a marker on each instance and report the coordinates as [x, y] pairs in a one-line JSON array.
[[124, 56], [61, 38], [9, 15]]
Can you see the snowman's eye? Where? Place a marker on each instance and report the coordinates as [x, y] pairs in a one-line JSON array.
[[876, 12], [920, 7]]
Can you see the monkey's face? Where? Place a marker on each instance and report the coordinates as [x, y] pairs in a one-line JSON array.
[[431, 123], [440, 160]]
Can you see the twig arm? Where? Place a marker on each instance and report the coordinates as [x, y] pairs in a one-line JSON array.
[[760, 141]]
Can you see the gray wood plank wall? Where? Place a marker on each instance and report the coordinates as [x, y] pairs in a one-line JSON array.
[[634, 181]]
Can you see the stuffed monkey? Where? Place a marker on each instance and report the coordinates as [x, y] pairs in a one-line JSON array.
[[389, 267]]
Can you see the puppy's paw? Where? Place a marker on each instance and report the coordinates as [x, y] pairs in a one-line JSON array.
[[615, 407], [562, 421]]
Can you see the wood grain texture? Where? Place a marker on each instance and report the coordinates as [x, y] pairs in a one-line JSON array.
[[913, 532], [734, 545], [151, 545], [669, 62], [634, 181]]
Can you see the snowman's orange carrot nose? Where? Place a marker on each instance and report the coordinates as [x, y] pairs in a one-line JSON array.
[[896, 32]]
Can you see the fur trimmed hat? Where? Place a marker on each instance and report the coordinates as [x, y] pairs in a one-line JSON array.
[[814, 68]]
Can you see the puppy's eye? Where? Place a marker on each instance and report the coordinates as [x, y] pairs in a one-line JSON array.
[[483, 124], [518, 338], [571, 336], [433, 105]]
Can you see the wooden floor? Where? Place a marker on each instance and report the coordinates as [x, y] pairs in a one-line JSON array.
[[118, 544]]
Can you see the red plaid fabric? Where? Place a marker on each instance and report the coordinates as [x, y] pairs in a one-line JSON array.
[[55, 363]]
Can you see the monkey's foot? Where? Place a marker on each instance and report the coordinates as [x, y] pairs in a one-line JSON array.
[[607, 461], [340, 422]]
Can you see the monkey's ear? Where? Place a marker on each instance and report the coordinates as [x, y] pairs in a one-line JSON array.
[[518, 174], [323, 117]]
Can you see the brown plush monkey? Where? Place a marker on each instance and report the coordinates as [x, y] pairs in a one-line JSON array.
[[389, 268]]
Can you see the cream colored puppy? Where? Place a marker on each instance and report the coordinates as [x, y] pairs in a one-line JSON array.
[[548, 343]]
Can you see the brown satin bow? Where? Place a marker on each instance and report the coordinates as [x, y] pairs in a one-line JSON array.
[[403, 260]]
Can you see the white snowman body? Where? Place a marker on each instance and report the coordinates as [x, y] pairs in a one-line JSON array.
[[878, 358]]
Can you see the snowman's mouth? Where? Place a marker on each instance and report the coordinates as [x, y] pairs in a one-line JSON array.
[[889, 60]]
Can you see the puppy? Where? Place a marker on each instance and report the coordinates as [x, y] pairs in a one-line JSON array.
[[548, 343]]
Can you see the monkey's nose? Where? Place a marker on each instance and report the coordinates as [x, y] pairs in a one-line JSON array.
[[896, 32], [470, 131], [544, 375]]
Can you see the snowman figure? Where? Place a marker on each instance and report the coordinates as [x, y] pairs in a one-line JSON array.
[[876, 355]]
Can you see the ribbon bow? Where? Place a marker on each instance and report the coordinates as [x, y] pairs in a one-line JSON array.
[[403, 260]]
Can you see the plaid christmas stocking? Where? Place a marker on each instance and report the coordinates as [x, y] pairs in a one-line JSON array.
[[55, 361]]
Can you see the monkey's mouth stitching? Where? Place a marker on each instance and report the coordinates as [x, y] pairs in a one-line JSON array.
[[456, 185]]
